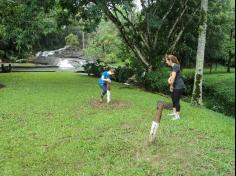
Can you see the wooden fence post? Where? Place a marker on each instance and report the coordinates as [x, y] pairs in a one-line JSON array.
[[157, 119]]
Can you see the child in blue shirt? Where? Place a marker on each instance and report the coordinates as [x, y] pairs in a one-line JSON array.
[[104, 82]]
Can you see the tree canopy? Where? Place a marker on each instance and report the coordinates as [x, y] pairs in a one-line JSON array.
[[149, 32], [22, 23]]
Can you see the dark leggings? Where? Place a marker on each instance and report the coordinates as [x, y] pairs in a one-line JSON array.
[[176, 95]]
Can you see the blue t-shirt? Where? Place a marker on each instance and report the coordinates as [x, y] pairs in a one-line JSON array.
[[105, 75]]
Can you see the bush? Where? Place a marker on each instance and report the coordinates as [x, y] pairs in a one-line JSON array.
[[156, 81], [123, 74], [189, 83], [72, 40], [95, 69]]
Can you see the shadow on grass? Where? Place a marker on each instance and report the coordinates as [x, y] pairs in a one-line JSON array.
[[2, 86], [128, 87]]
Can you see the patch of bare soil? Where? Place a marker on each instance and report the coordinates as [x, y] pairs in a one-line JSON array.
[[114, 104], [125, 126]]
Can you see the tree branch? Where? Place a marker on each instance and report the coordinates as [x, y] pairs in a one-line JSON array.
[[162, 21], [126, 39], [143, 4], [171, 49], [177, 20], [142, 57]]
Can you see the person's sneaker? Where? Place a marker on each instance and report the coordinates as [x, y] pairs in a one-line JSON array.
[[101, 100], [176, 117]]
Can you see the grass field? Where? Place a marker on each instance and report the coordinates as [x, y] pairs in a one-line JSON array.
[[222, 82], [220, 92], [52, 124], [220, 69]]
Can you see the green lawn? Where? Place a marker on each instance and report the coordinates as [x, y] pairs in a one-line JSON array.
[[218, 89], [220, 69], [221, 82], [220, 92], [51, 124]]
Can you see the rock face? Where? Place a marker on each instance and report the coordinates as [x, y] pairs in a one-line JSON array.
[[55, 56], [67, 58]]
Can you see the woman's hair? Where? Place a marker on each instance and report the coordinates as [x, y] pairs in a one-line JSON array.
[[172, 58]]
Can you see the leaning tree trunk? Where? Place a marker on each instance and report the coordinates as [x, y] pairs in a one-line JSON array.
[[197, 90]]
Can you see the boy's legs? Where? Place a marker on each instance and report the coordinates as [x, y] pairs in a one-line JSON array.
[[108, 93], [104, 91]]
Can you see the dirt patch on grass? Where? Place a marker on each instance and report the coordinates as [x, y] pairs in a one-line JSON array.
[[114, 104], [125, 126], [2, 86], [176, 158]]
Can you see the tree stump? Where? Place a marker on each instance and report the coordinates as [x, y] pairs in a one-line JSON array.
[[157, 119]]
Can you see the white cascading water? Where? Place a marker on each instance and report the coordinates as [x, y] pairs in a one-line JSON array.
[[65, 64]]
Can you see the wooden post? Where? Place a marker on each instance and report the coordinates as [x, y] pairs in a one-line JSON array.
[[83, 39], [157, 119], [9, 68], [3, 69]]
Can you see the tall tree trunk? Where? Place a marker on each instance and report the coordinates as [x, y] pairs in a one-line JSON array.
[[197, 90], [216, 65], [83, 40], [210, 67]]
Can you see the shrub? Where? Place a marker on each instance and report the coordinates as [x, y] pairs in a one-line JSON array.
[[72, 40], [156, 81], [123, 74], [189, 83], [95, 69]]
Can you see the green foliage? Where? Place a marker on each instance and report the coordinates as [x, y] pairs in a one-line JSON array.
[[22, 24], [95, 69], [157, 81], [51, 126], [2, 54], [122, 74], [106, 45], [29, 26], [189, 82], [72, 40], [143, 32], [218, 90], [142, 29], [220, 23]]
